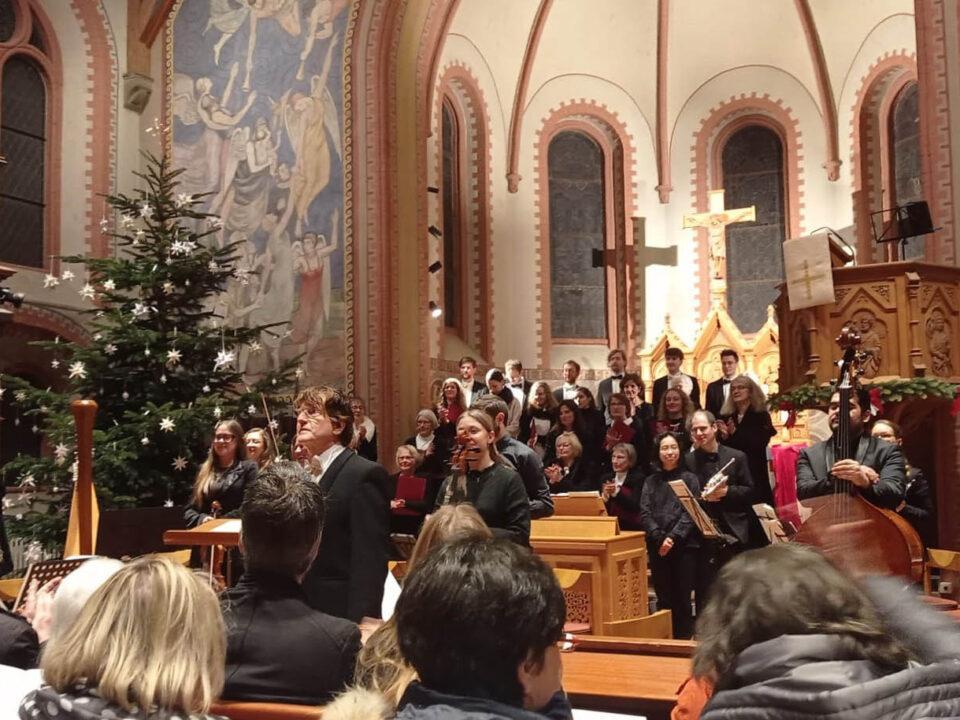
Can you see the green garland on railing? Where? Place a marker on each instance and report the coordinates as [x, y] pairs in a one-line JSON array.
[[810, 396]]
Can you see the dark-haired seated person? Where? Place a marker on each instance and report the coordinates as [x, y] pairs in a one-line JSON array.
[[786, 634], [622, 486], [19, 645], [508, 665], [818, 469], [917, 503], [279, 649]]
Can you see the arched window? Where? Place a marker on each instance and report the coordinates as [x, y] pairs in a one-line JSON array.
[[753, 175], [452, 240], [578, 291], [905, 158], [24, 130]]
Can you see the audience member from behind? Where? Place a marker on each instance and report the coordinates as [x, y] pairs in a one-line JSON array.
[[149, 643], [787, 635], [19, 645], [523, 459], [479, 622], [380, 666], [259, 447], [279, 649]]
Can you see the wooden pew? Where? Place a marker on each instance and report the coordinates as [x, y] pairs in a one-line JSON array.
[[236, 710], [627, 675]]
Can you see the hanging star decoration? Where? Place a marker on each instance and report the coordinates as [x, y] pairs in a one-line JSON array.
[[255, 347], [212, 266], [183, 199], [127, 221], [109, 349], [298, 372], [144, 441], [146, 211], [274, 425], [50, 281], [167, 425], [224, 359], [205, 388], [109, 285], [67, 275], [173, 357], [104, 224], [60, 453], [78, 370], [146, 352], [125, 395], [20, 395], [251, 409], [87, 292], [167, 287], [141, 311], [54, 363], [180, 463], [217, 412], [138, 236]]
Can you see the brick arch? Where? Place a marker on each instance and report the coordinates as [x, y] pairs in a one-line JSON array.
[[459, 86], [606, 128], [99, 175], [51, 322], [707, 152], [870, 146], [50, 65]]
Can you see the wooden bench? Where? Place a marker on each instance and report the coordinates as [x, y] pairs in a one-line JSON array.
[[236, 710]]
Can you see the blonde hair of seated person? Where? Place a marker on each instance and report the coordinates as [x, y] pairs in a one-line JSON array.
[[152, 636], [380, 666]]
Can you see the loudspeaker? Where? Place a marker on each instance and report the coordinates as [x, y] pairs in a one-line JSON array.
[[914, 219]]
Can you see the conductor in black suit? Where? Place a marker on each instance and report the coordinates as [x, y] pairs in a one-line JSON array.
[[617, 362], [719, 390], [675, 377], [818, 469], [346, 580]]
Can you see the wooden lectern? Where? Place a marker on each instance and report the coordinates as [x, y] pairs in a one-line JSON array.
[[615, 561]]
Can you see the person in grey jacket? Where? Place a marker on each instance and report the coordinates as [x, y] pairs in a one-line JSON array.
[[787, 635]]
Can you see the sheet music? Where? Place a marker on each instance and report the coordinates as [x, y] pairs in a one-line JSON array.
[[698, 514], [230, 526]]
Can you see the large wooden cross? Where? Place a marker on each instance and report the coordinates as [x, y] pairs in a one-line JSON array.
[[715, 220]]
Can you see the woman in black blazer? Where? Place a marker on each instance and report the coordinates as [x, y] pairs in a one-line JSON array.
[[621, 488], [594, 423], [747, 427], [672, 538], [222, 478]]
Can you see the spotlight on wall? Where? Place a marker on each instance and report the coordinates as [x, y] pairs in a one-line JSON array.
[[435, 310], [434, 190], [435, 231], [9, 296], [434, 267]]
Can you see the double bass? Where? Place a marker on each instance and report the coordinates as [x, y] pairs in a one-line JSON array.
[[851, 531]]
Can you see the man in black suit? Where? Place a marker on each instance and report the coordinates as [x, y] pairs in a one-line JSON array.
[[730, 505], [818, 469], [279, 649], [523, 459], [675, 377], [19, 646], [568, 391], [519, 385], [472, 389], [347, 577], [719, 390], [617, 362]]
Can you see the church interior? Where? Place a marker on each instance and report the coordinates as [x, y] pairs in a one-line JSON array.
[[394, 187]]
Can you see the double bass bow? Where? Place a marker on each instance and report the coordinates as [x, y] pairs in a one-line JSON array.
[[854, 533]]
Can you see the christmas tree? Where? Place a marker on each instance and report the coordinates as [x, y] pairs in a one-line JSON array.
[[164, 362]]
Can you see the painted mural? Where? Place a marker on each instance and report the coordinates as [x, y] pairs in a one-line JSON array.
[[257, 98]]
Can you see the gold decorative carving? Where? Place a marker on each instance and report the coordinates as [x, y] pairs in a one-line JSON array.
[[578, 606], [841, 293], [873, 334], [883, 290], [939, 335]]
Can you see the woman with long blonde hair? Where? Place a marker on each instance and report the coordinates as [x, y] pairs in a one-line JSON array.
[[149, 642], [222, 478], [481, 477]]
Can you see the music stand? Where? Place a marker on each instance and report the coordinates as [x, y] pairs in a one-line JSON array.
[[901, 223], [698, 514]]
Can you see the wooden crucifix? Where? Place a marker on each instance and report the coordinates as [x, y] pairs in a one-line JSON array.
[[639, 257], [715, 220]]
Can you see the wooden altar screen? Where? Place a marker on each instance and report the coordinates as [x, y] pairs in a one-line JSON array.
[[615, 561]]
